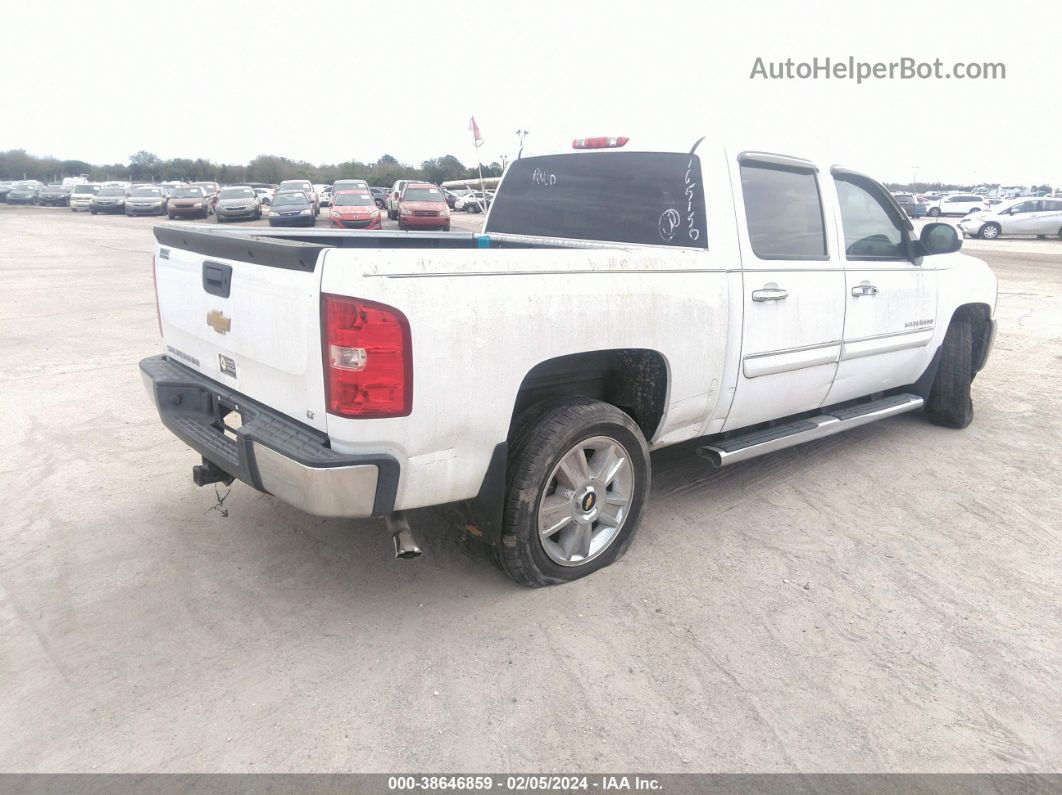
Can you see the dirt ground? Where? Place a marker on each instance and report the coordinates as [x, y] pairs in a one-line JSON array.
[[885, 600]]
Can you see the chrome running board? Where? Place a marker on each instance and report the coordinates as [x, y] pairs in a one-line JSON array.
[[757, 443]]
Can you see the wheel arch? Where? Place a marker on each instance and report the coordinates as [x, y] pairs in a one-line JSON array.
[[635, 380]]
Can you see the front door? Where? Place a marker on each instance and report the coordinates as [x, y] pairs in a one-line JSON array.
[[793, 302], [891, 303], [1021, 218]]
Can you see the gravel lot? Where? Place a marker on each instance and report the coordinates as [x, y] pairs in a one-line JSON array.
[[884, 600]]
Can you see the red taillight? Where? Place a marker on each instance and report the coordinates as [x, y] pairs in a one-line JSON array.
[[155, 284], [368, 358], [601, 142]]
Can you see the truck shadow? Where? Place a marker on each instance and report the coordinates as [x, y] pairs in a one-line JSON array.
[[361, 553]]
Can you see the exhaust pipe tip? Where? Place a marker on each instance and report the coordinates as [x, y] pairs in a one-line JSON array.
[[406, 546]]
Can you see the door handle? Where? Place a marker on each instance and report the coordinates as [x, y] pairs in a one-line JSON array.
[[864, 288], [770, 292]]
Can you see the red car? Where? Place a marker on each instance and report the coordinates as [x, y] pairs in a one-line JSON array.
[[354, 209], [423, 206]]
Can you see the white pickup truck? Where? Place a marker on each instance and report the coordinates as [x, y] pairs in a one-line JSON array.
[[617, 301]]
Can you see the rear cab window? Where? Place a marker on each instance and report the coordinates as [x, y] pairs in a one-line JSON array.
[[647, 198]]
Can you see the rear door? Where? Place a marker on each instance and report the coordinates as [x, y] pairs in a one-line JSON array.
[[890, 302], [1049, 220], [245, 312], [793, 289]]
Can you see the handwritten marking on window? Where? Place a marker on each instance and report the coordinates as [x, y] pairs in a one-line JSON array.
[[540, 177], [669, 224], [691, 214]]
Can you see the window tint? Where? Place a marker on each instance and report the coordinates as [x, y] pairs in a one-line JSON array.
[[870, 230], [1023, 207], [653, 198], [1052, 206], [784, 212]]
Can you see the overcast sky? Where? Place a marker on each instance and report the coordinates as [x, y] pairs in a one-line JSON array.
[[330, 81]]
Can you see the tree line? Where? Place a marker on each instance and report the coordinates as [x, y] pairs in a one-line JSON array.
[[147, 167]]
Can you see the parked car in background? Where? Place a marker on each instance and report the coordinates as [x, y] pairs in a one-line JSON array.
[[910, 205], [5, 186], [379, 195], [451, 198], [1040, 217], [145, 200], [108, 200], [394, 195], [292, 208], [24, 192], [188, 201], [474, 201], [54, 196], [324, 194], [305, 187], [210, 190], [265, 195], [355, 209], [236, 203], [957, 204], [423, 206], [81, 196]]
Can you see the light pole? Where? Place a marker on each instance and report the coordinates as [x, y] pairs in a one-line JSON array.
[[521, 134], [914, 179]]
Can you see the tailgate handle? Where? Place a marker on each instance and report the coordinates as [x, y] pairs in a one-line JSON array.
[[217, 278]]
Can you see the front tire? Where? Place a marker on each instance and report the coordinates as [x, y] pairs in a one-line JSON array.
[[934, 212], [990, 231], [578, 476], [950, 403]]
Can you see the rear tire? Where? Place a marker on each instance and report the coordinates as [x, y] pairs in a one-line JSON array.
[[950, 403], [934, 212], [554, 440]]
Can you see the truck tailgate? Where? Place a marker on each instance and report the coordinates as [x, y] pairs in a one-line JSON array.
[[245, 312]]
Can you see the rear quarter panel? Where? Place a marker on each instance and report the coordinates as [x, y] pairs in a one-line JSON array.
[[481, 319]]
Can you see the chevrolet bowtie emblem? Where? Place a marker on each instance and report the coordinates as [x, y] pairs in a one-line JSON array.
[[216, 320]]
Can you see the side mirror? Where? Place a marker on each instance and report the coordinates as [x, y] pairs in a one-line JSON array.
[[938, 239]]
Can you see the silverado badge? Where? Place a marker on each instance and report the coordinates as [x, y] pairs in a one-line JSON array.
[[216, 320]]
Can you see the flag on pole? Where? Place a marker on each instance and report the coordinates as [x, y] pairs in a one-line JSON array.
[[475, 131]]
